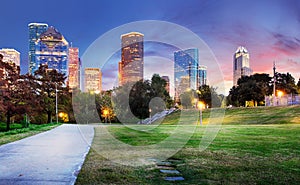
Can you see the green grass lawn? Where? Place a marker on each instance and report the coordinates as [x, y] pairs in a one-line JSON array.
[[253, 146], [17, 132]]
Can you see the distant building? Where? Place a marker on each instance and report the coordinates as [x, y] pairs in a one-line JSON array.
[[131, 67], [52, 49], [74, 68], [186, 64], [92, 80], [35, 30], [202, 76], [7, 57], [166, 78], [241, 65], [11, 56]]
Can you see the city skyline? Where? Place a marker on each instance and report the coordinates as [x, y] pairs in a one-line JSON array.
[[271, 34]]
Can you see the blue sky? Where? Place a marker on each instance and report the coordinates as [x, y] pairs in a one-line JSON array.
[[269, 29]]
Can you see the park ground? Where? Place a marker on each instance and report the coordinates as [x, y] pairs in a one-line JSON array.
[[254, 146]]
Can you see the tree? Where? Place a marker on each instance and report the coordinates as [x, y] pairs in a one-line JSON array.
[[186, 99], [209, 96], [131, 101], [84, 107], [47, 81], [15, 91], [286, 83], [105, 107], [158, 86], [250, 88]]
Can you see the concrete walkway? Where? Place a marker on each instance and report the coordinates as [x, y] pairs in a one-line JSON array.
[[52, 157]]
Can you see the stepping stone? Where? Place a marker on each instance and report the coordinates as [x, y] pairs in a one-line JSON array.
[[174, 178], [166, 167], [164, 163], [170, 171]]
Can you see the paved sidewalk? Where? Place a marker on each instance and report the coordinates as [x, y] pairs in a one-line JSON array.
[[52, 157]]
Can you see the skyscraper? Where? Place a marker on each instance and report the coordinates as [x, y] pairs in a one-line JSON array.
[[202, 75], [52, 49], [74, 68], [131, 67], [186, 64], [35, 30], [92, 80], [241, 66], [10, 56]]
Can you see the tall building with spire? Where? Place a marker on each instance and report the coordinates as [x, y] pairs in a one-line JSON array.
[[35, 30], [131, 66], [51, 49], [241, 64], [74, 68]]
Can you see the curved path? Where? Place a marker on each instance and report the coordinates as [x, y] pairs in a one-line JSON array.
[[52, 157]]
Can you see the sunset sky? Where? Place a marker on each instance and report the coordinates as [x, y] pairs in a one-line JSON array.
[[269, 29]]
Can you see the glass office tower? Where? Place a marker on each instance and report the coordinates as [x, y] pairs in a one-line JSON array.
[[52, 49], [186, 65], [35, 30]]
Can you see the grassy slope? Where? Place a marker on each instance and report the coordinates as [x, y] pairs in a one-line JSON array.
[[18, 132], [252, 147]]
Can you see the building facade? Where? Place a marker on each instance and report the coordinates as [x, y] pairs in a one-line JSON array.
[[186, 65], [74, 68], [11, 56], [131, 66], [52, 50], [202, 76], [92, 80], [35, 30], [241, 64]]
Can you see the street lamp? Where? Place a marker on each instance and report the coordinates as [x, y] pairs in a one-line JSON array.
[[105, 112], [279, 94], [200, 106], [56, 108], [150, 114]]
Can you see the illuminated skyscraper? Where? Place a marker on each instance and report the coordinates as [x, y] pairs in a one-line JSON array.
[[35, 30], [52, 49], [186, 64], [74, 68], [131, 67], [202, 76], [92, 80], [241, 66], [10, 56]]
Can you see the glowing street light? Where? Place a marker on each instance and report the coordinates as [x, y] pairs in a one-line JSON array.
[[200, 106], [280, 93], [105, 113]]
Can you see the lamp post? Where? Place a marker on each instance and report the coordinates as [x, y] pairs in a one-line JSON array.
[[56, 108], [150, 115], [200, 106]]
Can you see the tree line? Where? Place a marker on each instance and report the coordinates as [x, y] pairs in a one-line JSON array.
[[255, 87], [34, 96], [31, 95]]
